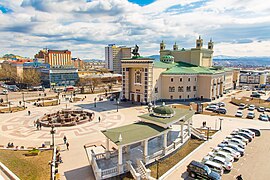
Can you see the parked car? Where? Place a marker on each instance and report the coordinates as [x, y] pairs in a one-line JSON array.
[[226, 165], [237, 148], [255, 95], [227, 156], [221, 104], [251, 107], [211, 107], [256, 131], [199, 170], [221, 110], [13, 88], [231, 151], [238, 142], [267, 109], [251, 133], [215, 167], [4, 92], [241, 138], [251, 115], [263, 117], [245, 135], [242, 106], [260, 109], [261, 92], [239, 113]]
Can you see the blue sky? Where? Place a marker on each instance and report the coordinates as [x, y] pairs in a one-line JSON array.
[[238, 28]]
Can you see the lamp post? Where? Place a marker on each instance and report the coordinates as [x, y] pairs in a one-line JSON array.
[[52, 133], [157, 161], [23, 100], [220, 124], [7, 97], [9, 108], [58, 94], [95, 100], [208, 133], [117, 104]]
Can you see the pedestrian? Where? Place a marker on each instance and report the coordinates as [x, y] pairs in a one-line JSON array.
[[67, 146], [40, 125], [29, 113], [99, 119], [84, 97], [20, 102], [34, 123], [239, 177], [65, 139]]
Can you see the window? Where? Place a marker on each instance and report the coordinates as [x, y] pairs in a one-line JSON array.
[[188, 79], [156, 90], [180, 97], [188, 96], [171, 89], [171, 79], [195, 79], [180, 89], [138, 77], [181, 79], [194, 88], [171, 97], [188, 88]]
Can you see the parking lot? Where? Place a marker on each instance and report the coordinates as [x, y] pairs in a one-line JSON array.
[[255, 163], [232, 109]]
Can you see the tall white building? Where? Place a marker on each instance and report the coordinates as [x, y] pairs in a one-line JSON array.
[[113, 56]]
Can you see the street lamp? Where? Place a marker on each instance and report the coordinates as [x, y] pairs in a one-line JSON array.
[[52, 133], [117, 104], [157, 161], [9, 108], [220, 119], [208, 133], [95, 100], [23, 100], [58, 94]]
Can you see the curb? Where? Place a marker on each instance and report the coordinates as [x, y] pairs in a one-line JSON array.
[[181, 162]]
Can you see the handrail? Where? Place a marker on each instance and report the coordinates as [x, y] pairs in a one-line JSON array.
[[8, 173], [136, 175], [109, 171]]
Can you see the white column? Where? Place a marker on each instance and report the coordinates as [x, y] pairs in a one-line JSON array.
[[107, 148], [120, 159], [189, 128], [165, 142], [145, 150], [182, 132]]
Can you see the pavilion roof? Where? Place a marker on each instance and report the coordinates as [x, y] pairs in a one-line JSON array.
[[180, 114], [133, 133]]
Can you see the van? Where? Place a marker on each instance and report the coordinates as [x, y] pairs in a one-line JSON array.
[[216, 167], [201, 171]]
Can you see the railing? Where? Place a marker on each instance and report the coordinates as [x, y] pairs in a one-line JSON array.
[[136, 175], [156, 154], [147, 172], [7, 172], [110, 171], [96, 170], [100, 156], [170, 147]]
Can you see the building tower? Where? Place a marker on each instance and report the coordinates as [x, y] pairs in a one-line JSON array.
[[210, 44], [162, 46], [175, 47], [199, 43]]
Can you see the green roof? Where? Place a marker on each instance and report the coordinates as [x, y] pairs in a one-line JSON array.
[[167, 57], [186, 68], [133, 132], [179, 113]]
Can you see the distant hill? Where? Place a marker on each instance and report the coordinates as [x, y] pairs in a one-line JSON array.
[[93, 60], [156, 57], [244, 61]]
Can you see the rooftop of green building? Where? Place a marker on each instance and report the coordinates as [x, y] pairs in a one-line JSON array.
[[186, 68]]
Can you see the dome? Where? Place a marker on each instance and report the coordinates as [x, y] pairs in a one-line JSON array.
[[167, 59], [163, 111]]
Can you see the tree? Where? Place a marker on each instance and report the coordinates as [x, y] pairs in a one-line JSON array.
[[82, 83], [93, 83], [8, 73], [31, 77]]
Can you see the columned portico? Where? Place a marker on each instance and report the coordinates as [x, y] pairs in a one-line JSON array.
[[145, 150], [189, 128], [165, 142], [182, 132], [107, 148]]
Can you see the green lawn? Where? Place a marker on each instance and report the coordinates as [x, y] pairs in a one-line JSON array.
[[27, 167]]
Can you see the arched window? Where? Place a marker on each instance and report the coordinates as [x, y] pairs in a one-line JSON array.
[[138, 77]]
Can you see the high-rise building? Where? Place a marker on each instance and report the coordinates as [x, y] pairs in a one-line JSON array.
[[113, 56], [55, 57]]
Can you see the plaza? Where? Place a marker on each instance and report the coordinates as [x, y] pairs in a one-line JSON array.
[[19, 128]]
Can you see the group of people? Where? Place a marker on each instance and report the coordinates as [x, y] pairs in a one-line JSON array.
[[10, 145], [65, 142], [38, 124], [204, 124]]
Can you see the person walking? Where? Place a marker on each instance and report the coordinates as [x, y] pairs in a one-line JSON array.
[[65, 139], [40, 125], [29, 113], [99, 119], [67, 146], [20, 102]]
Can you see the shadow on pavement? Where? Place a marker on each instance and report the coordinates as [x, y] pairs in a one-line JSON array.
[[83, 173]]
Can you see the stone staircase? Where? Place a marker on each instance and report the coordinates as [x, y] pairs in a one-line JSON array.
[[139, 171], [198, 134]]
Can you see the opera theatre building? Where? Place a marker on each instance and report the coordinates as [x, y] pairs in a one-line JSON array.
[[180, 74]]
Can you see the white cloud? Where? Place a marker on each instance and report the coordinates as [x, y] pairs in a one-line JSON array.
[[86, 27]]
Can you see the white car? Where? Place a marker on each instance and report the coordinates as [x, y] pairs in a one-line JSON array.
[[263, 117], [250, 115], [251, 107], [211, 107], [231, 151], [222, 154], [214, 166], [248, 131], [236, 141], [227, 165], [241, 138], [239, 113], [242, 106]]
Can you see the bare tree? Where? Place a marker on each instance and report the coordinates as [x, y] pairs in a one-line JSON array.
[[82, 83], [93, 83], [31, 77]]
